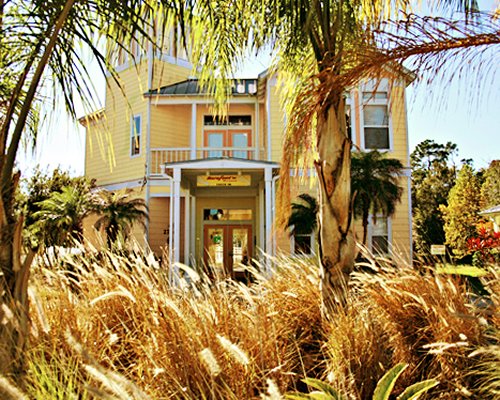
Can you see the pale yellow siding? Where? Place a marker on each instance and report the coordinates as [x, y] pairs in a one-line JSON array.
[[277, 125], [170, 126], [159, 226], [399, 133]]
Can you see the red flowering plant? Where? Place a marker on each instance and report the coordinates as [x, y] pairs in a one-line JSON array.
[[485, 247]]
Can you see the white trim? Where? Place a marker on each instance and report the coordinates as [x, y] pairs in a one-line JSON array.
[[160, 100], [222, 164], [349, 103], [262, 239], [187, 226], [273, 205], [177, 215], [256, 127], [268, 176], [122, 185], [193, 232]]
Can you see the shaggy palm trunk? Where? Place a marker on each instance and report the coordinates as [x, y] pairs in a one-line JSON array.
[[336, 238], [14, 278]]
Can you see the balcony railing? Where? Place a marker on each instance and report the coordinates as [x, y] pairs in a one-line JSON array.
[[160, 156]]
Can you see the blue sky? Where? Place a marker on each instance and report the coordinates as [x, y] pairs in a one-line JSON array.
[[444, 112]]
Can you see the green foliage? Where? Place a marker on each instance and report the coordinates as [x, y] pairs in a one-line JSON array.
[[461, 215], [54, 377], [374, 185], [40, 188], [383, 390], [304, 216], [60, 219], [432, 179], [118, 212], [490, 189]]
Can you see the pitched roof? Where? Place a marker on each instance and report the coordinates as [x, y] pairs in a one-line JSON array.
[[191, 87]]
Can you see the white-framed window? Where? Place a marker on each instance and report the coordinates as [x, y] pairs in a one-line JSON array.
[[376, 132], [302, 244], [380, 235], [376, 123], [135, 135]]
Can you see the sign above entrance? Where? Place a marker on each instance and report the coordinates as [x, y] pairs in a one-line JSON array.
[[223, 180]]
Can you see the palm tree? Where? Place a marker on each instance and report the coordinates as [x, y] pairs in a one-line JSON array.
[[375, 186], [60, 219], [119, 211], [320, 49], [304, 216], [40, 40]]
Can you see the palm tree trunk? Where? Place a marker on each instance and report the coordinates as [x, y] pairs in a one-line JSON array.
[[365, 227], [336, 238], [14, 271]]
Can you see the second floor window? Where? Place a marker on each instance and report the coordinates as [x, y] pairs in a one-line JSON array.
[[376, 127], [135, 135], [376, 121]]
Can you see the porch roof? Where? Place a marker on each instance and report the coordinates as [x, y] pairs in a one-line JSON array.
[[222, 163]]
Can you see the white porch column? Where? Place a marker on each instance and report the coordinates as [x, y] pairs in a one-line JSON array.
[[256, 130], [187, 226], [193, 232], [268, 180], [177, 218], [262, 233], [193, 132]]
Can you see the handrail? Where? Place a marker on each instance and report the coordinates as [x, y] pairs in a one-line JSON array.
[[159, 156]]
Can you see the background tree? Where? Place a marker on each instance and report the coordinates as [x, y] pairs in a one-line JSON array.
[[490, 189], [38, 188], [59, 222], [461, 215], [375, 186], [433, 175], [119, 211], [304, 216]]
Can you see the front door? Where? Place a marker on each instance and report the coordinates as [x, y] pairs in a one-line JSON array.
[[227, 249]]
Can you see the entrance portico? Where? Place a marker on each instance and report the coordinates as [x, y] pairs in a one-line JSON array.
[[229, 209]]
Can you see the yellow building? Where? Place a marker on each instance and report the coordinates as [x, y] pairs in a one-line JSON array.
[[210, 184]]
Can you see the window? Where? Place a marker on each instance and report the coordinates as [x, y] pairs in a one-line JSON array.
[[303, 244], [135, 136], [380, 236], [376, 120], [243, 120]]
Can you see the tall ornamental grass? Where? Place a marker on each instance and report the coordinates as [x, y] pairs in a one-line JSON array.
[[110, 326]]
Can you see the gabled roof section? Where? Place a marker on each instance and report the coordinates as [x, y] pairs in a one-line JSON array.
[[191, 87], [222, 163], [92, 117]]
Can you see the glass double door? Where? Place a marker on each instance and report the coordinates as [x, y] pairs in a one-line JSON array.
[[226, 140], [227, 249]]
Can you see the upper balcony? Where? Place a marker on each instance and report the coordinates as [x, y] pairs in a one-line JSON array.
[[160, 156]]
